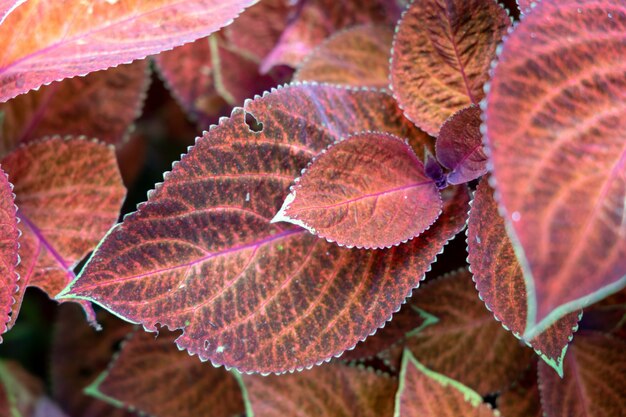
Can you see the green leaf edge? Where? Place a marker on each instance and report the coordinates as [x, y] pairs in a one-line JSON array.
[[7, 380], [469, 394], [244, 392], [429, 320], [93, 390]]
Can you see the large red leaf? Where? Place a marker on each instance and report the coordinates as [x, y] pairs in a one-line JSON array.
[[313, 21], [69, 193], [79, 355], [8, 251], [466, 343], [202, 256], [555, 121], [76, 37], [522, 399], [334, 390], [425, 393], [101, 105], [358, 56], [7, 6], [155, 378], [594, 380], [460, 146], [441, 56], [500, 281], [368, 190]]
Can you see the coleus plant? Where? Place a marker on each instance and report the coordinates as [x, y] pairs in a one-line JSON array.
[[297, 230]]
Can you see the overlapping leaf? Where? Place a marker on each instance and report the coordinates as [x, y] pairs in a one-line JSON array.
[[425, 393], [69, 193], [594, 379], [7, 6], [152, 376], [202, 255], [358, 56], [460, 146], [75, 37], [313, 21], [441, 56], [500, 281], [101, 105], [522, 399], [335, 390], [8, 251], [466, 343], [368, 190], [555, 127], [79, 355], [607, 316]]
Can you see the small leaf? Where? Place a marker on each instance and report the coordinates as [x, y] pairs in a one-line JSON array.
[[69, 193], [441, 57], [368, 190], [522, 399], [202, 256], [460, 146], [153, 377], [7, 6], [466, 343], [594, 379], [76, 37], [315, 20], [102, 105], [333, 390], [425, 393], [8, 251], [357, 56], [500, 281], [79, 355], [555, 121]]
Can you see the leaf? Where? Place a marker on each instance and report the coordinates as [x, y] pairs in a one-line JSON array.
[[76, 37], [152, 376], [522, 399], [441, 55], [315, 20], [594, 380], [607, 315], [466, 343], [8, 251], [358, 56], [460, 146], [525, 5], [500, 281], [202, 256], [7, 6], [368, 190], [80, 354], [425, 393], [102, 105], [333, 390], [555, 124], [407, 320], [69, 193]]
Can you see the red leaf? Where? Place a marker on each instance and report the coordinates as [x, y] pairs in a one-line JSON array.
[[334, 390], [101, 105], [358, 56], [69, 193], [525, 5], [466, 343], [7, 6], [75, 38], [152, 376], [8, 251], [202, 256], [425, 393], [594, 380], [500, 281], [460, 146], [555, 129], [522, 399], [314, 20], [79, 355], [368, 190], [607, 316], [441, 57]]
